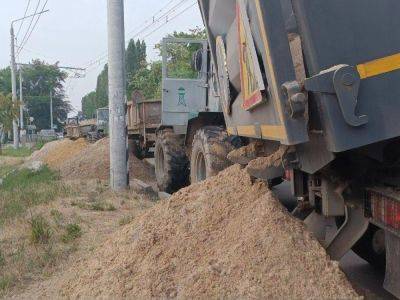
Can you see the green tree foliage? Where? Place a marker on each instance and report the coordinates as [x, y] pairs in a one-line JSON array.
[[148, 81], [5, 80], [8, 112], [39, 79], [135, 59], [89, 105], [102, 89]]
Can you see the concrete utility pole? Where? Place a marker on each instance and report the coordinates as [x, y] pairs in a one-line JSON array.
[[117, 98], [21, 98], [51, 111], [14, 86]]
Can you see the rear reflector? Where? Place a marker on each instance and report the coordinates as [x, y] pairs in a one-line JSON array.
[[384, 208]]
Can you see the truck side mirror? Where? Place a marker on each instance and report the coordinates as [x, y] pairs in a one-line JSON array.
[[197, 60]]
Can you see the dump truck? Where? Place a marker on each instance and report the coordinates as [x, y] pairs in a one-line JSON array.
[[312, 89], [102, 125], [144, 117]]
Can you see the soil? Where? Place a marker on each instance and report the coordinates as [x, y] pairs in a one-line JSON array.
[[226, 237]]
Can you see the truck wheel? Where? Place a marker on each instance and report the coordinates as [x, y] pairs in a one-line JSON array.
[[172, 170], [210, 149]]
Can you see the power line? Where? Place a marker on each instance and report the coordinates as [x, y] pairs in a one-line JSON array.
[[30, 23], [26, 11], [142, 28], [167, 20], [33, 28]]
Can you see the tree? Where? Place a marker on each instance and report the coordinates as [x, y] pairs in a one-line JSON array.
[[5, 80], [89, 105], [41, 79], [8, 113], [102, 88], [148, 81]]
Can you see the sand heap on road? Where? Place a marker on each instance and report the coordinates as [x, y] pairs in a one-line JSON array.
[[56, 153], [223, 238]]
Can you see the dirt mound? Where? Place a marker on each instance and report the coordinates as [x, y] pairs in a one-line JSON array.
[[223, 238], [93, 162], [54, 154]]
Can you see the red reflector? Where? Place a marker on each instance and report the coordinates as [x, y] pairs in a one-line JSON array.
[[385, 209], [289, 175]]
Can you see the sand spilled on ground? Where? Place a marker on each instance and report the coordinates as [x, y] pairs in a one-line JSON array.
[[54, 154], [223, 238], [93, 162], [81, 160]]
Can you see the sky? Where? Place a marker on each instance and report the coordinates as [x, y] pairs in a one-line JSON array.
[[74, 33]]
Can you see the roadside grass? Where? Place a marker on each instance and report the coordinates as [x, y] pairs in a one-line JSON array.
[[4, 170], [20, 152], [26, 188]]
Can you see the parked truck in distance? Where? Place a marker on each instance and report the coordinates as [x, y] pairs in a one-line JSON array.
[[144, 117], [92, 129]]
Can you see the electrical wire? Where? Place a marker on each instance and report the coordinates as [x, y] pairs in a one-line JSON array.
[[167, 17], [34, 26], [30, 23], [23, 20]]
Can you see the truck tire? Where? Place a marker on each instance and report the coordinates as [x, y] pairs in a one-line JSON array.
[[210, 148], [172, 164]]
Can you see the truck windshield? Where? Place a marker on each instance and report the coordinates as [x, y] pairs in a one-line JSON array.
[[180, 60]]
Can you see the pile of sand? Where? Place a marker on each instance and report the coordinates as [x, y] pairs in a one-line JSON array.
[[93, 162], [223, 238], [56, 153]]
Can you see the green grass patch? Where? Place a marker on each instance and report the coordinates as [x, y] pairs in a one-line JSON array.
[[73, 231], [40, 144], [40, 230], [20, 152], [26, 188], [4, 170], [6, 282]]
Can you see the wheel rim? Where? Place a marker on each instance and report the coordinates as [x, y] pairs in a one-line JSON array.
[[200, 163], [160, 161]]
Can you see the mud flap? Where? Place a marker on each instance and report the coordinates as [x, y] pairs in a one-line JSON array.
[[392, 276], [354, 227], [316, 223]]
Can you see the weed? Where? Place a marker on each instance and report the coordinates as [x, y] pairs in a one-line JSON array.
[[57, 216], [25, 188], [40, 230], [2, 259], [73, 231], [20, 152], [125, 220], [39, 145], [6, 282], [102, 206]]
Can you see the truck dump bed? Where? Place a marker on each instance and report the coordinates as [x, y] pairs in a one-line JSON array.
[[351, 57]]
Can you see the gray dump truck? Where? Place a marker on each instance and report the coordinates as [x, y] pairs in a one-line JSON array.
[[314, 85]]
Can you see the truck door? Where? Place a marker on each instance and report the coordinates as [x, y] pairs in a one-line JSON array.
[[184, 92]]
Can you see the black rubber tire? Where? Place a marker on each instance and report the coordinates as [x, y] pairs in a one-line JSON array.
[[172, 164], [364, 248], [210, 148]]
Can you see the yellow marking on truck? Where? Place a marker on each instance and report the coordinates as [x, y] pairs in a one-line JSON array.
[[379, 66], [231, 130], [247, 130], [272, 131], [271, 66]]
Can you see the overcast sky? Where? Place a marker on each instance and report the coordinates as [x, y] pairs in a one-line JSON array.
[[74, 33]]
